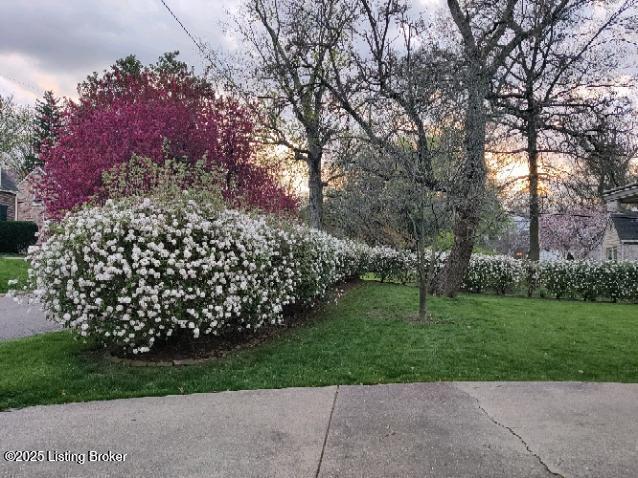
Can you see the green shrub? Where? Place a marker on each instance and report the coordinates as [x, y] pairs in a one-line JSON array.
[[17, 236]]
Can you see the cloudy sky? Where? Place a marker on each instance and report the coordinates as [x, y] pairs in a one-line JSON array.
[[53, 44]]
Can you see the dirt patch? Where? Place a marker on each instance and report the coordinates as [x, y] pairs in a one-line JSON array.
[[211, 348]]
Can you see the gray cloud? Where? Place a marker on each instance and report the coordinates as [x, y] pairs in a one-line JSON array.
[[55, 44]]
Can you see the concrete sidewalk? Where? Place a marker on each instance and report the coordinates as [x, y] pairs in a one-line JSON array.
[[22, 320], [421, 430]]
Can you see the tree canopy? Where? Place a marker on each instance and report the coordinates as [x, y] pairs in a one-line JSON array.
[[162, 111]]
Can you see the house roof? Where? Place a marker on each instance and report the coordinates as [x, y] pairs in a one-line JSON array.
[[7, 180], [626, 194], [35, 172], [626, 225]]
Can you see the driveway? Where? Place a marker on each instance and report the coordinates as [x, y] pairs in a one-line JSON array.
[[22, 320], [423, 430]]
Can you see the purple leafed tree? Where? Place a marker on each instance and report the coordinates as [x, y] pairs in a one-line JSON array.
[[159, 114]]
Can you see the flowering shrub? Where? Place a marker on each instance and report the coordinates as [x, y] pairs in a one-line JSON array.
[[588, 280], [497, 273], [391, 264], [134, 273]]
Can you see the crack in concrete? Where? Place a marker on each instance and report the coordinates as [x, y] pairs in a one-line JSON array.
[[512, 432], [520, 438], [325, 438]]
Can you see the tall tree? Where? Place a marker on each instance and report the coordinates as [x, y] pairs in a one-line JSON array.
[[557, 72], [291, 42], [47, 122], [489, 31], [603, 148], [159, 114]]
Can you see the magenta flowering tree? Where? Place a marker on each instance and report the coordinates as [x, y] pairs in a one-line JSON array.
[[159, 113], [578, 231]]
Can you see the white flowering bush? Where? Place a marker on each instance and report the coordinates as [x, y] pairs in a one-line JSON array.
[[135, 273], [498, 273], [391, 264], [590, 280], [493, 273], [321, 261], [557, 278], [587, 280]]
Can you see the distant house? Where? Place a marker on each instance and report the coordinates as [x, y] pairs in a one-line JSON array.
[[620, 241], [18, 200]]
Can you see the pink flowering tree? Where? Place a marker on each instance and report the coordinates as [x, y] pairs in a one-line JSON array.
[[160, 112], [578, 231]]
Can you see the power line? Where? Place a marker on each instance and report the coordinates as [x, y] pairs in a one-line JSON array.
[[32, 88], [197, 44]]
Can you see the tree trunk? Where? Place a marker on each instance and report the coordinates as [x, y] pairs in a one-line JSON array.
[[423, 298], [468, 191], [465, 226], [534, 203], [315, 191], [423, 275], [422, 270]]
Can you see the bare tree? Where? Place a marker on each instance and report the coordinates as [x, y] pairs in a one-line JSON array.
[[291, 44], [388, 79], [369, 204], [490, 31], [556, 73], [604, 152]]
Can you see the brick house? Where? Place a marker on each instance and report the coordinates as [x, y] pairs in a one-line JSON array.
[[620, 241], [28, 206], [18, 201]]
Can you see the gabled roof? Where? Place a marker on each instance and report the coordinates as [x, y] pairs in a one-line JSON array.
[[626, 225], [37, 171], [7, 180]]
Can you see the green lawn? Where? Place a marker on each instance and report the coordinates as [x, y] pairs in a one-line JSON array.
[[363, 339], [12, 268]]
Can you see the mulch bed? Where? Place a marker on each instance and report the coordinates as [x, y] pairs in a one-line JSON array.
[[210, 348]]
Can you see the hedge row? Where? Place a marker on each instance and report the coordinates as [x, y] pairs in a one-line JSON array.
[[617, 281], [17, 236], [587, 280], [136, 274]]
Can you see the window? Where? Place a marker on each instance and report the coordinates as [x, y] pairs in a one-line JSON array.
[[612, 253], [3, 212]]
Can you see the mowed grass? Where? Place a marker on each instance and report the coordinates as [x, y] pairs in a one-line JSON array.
[[12, 268], [367, 338]]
